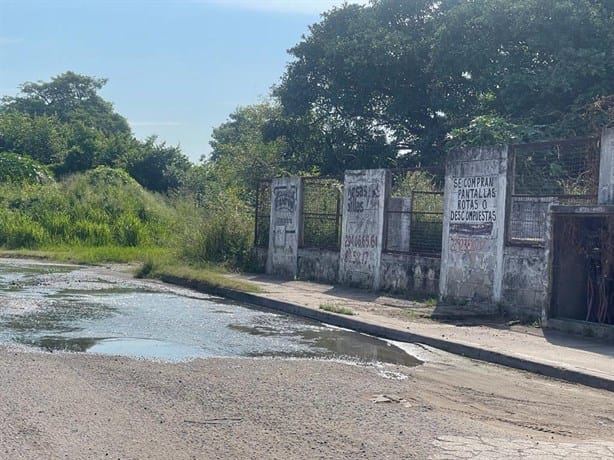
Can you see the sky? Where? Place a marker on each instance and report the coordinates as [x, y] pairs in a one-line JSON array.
[[175, 68]]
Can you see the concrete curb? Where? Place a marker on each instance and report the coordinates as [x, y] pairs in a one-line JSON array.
[[469, 351]]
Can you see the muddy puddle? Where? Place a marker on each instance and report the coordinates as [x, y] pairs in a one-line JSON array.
[[89, 309]]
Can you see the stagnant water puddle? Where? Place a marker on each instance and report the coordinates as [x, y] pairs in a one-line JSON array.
[[86, 309]]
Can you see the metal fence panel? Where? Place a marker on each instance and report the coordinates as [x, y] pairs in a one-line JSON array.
[[547, 173], [415, 212], [427, 222], [322, 212], [263, 214]]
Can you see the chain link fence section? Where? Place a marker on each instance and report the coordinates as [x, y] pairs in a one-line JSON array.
[[564, 172], [414, 216], [262, 218], [322, 207]]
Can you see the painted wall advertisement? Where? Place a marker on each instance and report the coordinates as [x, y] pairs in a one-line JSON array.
[[360, 240], [473, 210], [284, 206]]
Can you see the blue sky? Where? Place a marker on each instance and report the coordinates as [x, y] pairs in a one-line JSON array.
[[176, 68]]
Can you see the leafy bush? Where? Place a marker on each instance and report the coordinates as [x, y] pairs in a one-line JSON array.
[[218, 229], [485, 130], [15, 168], [20, 231], [98, 208], [129, 231]]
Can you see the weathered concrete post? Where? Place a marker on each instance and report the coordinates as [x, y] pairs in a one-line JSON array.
[[364, 200], [474, 225], [399, 224], [286, 226], [606, 168]]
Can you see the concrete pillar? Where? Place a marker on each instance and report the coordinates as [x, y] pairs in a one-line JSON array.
[[286, 226], [364, 202], [399, 224], [474, 225], [606, 168]]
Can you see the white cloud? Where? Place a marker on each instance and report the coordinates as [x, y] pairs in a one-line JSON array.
[[285, 6], [154, 123]]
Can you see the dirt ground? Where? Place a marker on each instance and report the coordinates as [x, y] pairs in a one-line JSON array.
[[86, 406], [61, 405]]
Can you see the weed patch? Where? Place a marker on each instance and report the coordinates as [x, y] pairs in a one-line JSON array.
[[336, 309]]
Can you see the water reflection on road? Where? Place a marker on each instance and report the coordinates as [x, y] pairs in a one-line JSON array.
[[60, 307]]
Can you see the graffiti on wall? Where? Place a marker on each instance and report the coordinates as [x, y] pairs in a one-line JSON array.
[[360, 241], [284, 206], [467, 244], [362, 197], [284, 198]]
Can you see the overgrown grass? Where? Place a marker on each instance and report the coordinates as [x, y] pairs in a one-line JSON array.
[[209, 275], [104, 216], [101, 208], [90, 254], [336, 309], [106, 208]]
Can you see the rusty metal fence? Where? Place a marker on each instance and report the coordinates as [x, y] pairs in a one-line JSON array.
[[414, 214], [262, 216], [545, 173], [322, 197]]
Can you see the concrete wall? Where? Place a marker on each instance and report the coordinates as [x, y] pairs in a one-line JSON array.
[[284, 236], [606, 168], [405, 273], [526, 267], [320, 265], [526, 282], [399, 222], [474, 225], [364, 203], [259, 259]]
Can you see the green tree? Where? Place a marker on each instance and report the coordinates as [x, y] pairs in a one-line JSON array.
[[362, 73], [70, 97], [43, 138], [241, 152], [535, 63], [157, 166], [385, 84]]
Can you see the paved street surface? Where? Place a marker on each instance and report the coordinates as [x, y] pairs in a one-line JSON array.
[[87, 406]]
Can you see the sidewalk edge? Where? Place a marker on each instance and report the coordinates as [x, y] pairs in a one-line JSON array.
[[468, 351]]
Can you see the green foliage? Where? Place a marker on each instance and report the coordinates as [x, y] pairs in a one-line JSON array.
[[242, 153], [537, 60], [388, 83], [99, 208], [484, 130], [420, 181], [340, 310], [158, 167], [218, 229], [363, 74], [426, 209], [17, 169], [70, 97], [20, 231], [65, 124], [43, 138]]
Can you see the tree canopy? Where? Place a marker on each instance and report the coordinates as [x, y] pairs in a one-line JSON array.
[[241, 152], [71, 98], [67, 125], [389, 82]]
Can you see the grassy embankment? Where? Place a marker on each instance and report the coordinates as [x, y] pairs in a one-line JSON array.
[[104, 216]]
